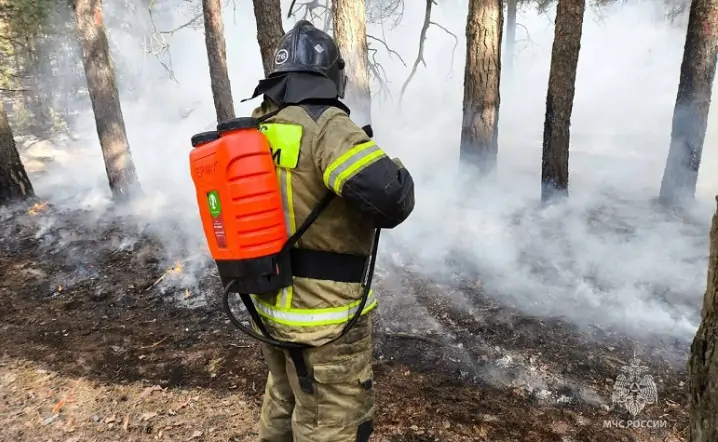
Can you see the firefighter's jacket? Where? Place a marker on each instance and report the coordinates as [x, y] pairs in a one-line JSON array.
[[318, 148]]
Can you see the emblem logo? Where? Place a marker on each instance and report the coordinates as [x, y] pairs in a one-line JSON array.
[[215, 207], [281, 56], [633, 389]]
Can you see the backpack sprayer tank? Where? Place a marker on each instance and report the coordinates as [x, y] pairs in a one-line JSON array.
[[240, 206]]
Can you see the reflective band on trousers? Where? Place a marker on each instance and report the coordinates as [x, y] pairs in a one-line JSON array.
[[352, 162], [313, 317]]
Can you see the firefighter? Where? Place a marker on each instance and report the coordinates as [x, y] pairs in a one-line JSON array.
[[324, 393]]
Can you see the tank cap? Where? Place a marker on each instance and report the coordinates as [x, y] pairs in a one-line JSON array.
[[238, 123], [204, 137]]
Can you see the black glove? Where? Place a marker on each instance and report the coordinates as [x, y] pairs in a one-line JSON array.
[[368, 130]]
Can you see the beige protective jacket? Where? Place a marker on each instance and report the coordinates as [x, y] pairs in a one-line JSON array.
[[318, 148]]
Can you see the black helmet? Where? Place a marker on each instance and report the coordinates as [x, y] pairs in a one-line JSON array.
[[305, 48]]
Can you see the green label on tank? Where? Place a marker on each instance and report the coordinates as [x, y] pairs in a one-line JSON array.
[[215, 208]]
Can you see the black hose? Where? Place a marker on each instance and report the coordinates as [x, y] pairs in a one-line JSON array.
[[266, 339], [288, 345]]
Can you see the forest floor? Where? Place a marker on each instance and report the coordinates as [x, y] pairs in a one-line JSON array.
[[94, 348]]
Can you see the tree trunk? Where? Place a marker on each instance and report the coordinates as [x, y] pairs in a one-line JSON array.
[[559, 99], [20, 100], [482, 75], [268, 14], [40, 105], [690, 115], [14, 182], [217, 57], [511, 9], [703, 363], [350, 33], [100, 76]]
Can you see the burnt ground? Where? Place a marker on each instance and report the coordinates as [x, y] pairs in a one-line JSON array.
[[99, 341]]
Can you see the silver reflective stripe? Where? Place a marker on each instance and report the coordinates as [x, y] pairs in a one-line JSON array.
[[310, 317], [284, 299], [333, 180]]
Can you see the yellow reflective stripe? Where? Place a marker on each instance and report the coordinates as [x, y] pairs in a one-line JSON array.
[[285, 300], [285, 188], [350, 163], [313, 317]]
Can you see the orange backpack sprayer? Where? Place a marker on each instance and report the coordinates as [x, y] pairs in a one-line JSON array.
[[240, 206]]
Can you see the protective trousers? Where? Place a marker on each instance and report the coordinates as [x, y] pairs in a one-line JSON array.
[[340, 407]]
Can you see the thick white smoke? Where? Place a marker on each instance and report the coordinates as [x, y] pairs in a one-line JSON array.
[[607, 256]]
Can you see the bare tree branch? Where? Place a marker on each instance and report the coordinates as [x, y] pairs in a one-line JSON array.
[[386, 46], [528, 40], [3, 89], [377, 12], [14, 41], [291, 8], [327, 16], [525, 29], [191, 22], [312, 10], [378, 72], [383, 11], [453, 50], [420, 54], [422, 40], [21, 76], [315, 10], [157, 42]]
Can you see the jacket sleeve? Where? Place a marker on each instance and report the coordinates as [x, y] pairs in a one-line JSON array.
[[354, 167]]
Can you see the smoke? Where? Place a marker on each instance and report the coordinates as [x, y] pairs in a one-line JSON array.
[[607, 256]]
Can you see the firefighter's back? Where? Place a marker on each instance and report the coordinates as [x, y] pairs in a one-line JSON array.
[[300, 137]]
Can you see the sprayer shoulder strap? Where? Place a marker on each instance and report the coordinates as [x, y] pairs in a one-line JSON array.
[[269, 115]]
